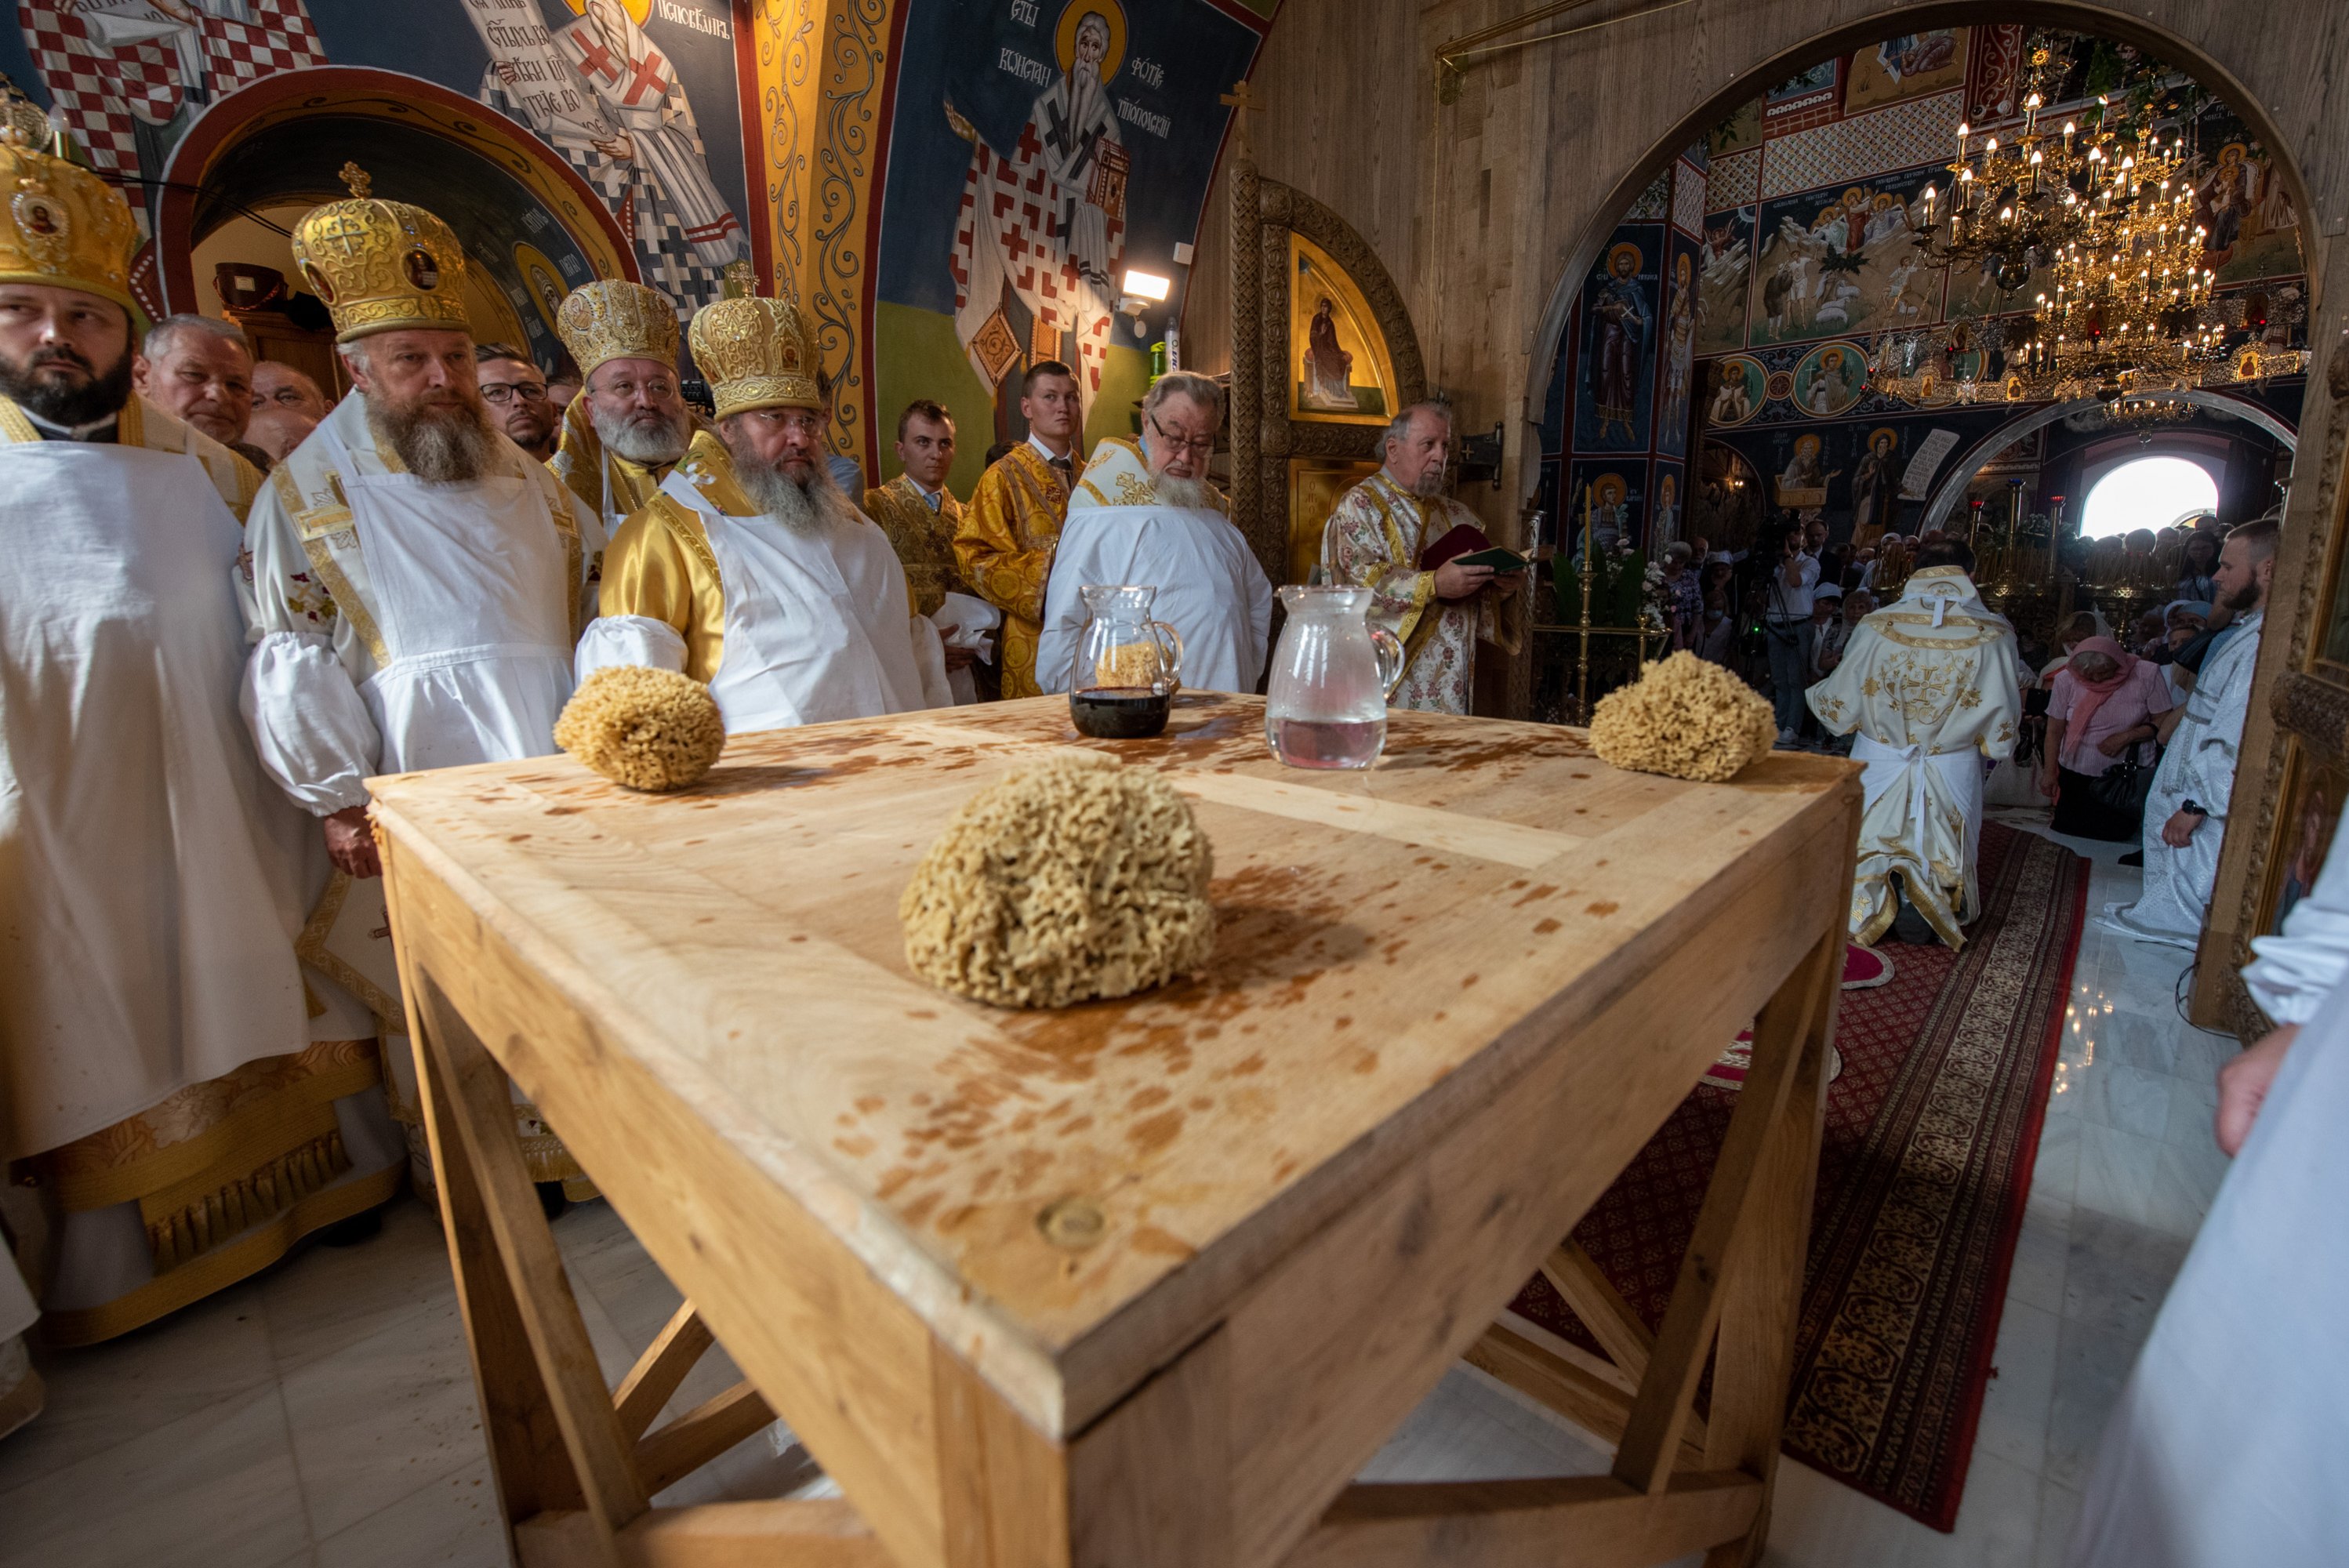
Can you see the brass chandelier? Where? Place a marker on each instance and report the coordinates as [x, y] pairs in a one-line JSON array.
[[2101, 222]]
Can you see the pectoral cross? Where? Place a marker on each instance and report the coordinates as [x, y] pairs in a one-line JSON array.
[[594, 59], [1242, 101]]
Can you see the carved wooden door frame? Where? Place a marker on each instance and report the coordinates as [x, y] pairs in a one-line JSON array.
[[1264, 213]]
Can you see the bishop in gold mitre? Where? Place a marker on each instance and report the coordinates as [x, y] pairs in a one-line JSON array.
[[417, 584], [751, 570], [170, 1098], [1008, 531], [629, 424]]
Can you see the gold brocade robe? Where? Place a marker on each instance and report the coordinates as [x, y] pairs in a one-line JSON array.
[[923, 538], [1373, 540], [1927, 687], [660, 564], [252, 1157], [610, 488], [1005, 550]]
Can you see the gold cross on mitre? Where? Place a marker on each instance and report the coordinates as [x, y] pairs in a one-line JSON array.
[[1242, 101]]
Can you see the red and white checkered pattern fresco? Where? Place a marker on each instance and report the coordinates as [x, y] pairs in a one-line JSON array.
[[107, 88], [1035, 258]]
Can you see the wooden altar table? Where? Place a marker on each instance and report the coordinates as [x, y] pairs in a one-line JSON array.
[[1142, 1283]]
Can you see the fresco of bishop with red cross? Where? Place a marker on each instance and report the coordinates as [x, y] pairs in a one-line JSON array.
[[657, 143]]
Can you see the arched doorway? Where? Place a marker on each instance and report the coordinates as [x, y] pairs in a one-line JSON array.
[[1950, 492], [2157, 492], [260, 157]]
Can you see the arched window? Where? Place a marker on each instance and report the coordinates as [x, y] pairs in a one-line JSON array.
[[2149, 492]]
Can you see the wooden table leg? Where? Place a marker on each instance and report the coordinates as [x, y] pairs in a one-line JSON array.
[[1754, 1357], [529, 1465], [469, 1095], [1787, 1034]]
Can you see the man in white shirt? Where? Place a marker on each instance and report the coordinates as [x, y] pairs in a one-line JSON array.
[[1144, 514], [1787, 625]]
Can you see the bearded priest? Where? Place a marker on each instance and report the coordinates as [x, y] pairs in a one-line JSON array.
[[629, 424], [1375, 538], [751, 571], [416, 587], [170, 1123], [1930, 684], [1144, 513]]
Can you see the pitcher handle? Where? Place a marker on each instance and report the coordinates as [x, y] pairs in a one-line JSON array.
[[1388, 647], [1172, 655]]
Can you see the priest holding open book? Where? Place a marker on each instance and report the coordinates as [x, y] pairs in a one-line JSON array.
[[1439, 586]]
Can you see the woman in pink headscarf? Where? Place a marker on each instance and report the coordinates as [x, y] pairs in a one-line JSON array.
[[2101, 710]]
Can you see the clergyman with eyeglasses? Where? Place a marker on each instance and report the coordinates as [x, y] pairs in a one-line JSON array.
[[1145, 513]]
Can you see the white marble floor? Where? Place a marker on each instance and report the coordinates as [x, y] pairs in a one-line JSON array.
[[323, 1413]]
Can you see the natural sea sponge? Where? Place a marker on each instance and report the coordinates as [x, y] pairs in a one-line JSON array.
[[1687, 718], [646, 729], [1077, 877]]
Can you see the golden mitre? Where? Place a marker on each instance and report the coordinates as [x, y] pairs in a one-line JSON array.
[[757, 354], [614, 320], [381, 265], [63, 225]]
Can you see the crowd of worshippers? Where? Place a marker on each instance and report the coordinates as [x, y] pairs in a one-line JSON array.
[[1883, 650], [230, 598]]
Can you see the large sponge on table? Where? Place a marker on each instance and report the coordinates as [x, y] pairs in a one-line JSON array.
[[1078, 878], [1684, 717], [646, 729]]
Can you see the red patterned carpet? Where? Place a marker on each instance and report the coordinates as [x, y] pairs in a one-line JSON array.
[[1931, 1131]]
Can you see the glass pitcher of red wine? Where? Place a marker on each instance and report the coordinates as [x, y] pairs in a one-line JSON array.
[[1129, 667], [1326, 706]]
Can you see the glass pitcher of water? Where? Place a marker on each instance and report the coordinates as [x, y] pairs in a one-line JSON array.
[[1326, 706], [1129, 667]]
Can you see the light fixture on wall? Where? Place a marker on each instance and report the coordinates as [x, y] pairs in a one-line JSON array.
[[1143, 290]]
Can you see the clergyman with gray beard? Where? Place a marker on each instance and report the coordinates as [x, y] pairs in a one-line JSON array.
[[1144, 513], [751, 571], [629, 424], [416, 580]]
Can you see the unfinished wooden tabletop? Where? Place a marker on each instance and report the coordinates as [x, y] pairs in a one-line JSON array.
[[1068, 1197]]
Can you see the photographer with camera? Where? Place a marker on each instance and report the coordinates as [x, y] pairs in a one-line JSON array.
[[1787, 620]]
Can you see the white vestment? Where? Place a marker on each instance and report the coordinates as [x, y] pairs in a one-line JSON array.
[[1930, 684], [2226, 1446], [150, 895], [449, 622], [2198, 765], [397, 625], [817, 626], [1211, 589]]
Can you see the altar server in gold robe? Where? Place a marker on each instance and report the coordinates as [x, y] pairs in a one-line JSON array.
[[1928, 688], [629, 424], [751, 571], [1375, 538], [176, 1110], [416, 587], [917, 510], [921, 517], [1008, 531]]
